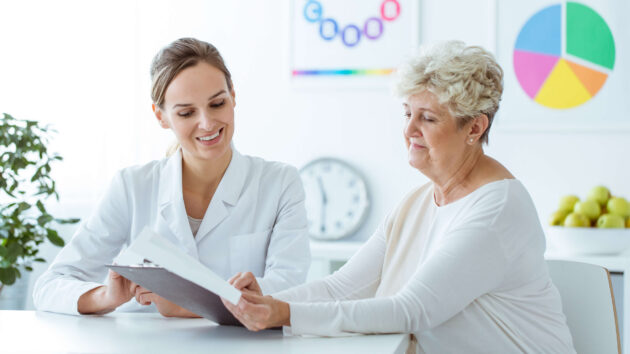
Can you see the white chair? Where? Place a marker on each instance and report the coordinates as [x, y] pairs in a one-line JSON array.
[[589, 305]]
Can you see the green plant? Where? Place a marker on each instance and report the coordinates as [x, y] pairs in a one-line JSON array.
[[25, 182]]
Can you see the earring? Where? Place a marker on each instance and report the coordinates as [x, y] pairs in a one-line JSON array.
[[471, 140]]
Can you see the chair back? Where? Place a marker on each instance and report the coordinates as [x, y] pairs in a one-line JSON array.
[[589, 305]]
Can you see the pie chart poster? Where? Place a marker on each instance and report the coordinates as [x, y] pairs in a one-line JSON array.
[[566, 65], [351, 40]]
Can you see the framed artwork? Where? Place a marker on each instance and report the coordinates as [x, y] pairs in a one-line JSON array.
[[352, 42], [566, 65]]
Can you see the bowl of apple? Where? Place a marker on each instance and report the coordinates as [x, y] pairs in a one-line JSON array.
[[596, 225]]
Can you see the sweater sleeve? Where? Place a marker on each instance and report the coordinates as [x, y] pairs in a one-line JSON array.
[[357, 279], [80, 265], [468, 262]]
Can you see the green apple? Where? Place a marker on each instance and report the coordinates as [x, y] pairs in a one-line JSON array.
[[557, 218], [618, 206], [588, 208], [610, 221], [576, 220], [600, 194], [567, 203]]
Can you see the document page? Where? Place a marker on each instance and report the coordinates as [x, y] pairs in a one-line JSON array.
[[160, 251]]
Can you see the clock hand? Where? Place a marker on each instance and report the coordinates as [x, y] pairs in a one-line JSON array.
[[324, 202], [321, 189]]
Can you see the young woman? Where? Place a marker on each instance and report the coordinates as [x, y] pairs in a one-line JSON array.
[[231, 212]]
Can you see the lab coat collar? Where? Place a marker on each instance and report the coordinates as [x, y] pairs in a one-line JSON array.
[[227, 194], [171, 203], [233, 181], [170, 190], [171, 199]]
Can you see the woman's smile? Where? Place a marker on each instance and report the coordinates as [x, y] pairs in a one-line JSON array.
[[210, 139]]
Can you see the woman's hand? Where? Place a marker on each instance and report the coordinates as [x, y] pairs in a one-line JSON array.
[[260, 312], [107, 298], [119, 289], [246, 282], [165, 307]]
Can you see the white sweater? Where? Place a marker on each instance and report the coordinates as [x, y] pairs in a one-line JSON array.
[[466, 277]]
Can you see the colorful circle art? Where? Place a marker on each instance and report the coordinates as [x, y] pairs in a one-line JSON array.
[[351, 34], [564, 67]]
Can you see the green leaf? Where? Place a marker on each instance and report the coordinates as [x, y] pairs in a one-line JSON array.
[[14, 251], [9, 191], [44, 219], [40, 206], [53, 237], [7, 276], [36, 175], [3, 252], [41, 260], [21, 162], [23, 206], [30, 269], [68, 221]]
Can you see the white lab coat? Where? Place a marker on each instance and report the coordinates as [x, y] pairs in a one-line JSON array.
[[255, 222]]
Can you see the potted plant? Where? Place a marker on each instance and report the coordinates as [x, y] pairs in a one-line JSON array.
[[25, 183]]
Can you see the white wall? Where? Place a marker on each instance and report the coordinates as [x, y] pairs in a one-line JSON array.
[[84, 67]]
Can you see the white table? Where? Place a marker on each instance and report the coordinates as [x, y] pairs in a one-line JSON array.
[[44, 332]]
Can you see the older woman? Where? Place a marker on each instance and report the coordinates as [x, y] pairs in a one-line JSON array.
[[459, 263]]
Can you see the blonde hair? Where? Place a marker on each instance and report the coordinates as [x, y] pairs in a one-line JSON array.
[[465, 78], [173, 59]]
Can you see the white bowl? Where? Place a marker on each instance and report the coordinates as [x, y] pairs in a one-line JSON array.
[[586, 240]]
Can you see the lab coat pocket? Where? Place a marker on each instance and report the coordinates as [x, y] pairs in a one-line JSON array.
[[248, 252]]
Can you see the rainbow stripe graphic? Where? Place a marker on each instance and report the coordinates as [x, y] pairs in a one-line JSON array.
[[343, 72]]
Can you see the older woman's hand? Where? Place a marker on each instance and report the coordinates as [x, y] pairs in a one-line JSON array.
[[245, 282], [165, 307], [260, 312]]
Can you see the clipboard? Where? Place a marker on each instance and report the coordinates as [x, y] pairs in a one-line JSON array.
[[176, 289]]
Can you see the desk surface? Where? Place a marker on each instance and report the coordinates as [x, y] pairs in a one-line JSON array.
[[43, 332]]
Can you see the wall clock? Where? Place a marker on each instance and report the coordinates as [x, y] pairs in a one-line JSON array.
[[337, 199]]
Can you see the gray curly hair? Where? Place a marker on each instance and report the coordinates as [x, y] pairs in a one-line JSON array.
[[465, 78]]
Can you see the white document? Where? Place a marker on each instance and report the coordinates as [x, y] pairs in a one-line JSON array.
[[164, 253]]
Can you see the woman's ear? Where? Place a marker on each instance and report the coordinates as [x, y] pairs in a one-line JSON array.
[[233, 94], [158, 114], [477, 127]]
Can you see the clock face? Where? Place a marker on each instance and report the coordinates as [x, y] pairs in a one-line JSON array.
[[336, 198]]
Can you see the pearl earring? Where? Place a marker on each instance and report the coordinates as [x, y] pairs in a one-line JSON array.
[[471, 140]]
